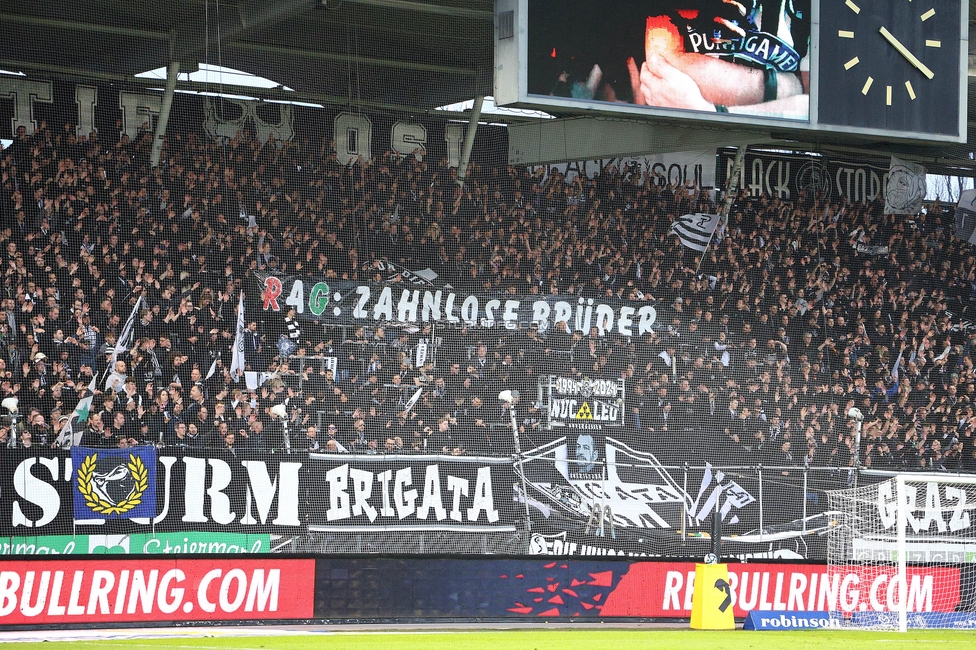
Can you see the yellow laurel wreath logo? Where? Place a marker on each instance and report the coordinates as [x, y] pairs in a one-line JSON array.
[[140, 475]]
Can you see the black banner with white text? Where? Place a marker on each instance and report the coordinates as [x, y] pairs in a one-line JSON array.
[[328, 301], [785, 176], [372, 493]]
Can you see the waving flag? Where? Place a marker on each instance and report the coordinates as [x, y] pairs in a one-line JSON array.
[[286, 346], [237, 362], [695, 230], [413, 400], [70, 435], [125, 338], [964, 227], [906, 188]]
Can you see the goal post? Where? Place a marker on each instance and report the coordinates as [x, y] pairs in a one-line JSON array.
[[902, 552]]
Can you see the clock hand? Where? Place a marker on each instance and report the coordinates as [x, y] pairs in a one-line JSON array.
[[905, 53]]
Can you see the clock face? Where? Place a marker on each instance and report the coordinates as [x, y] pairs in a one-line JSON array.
[[890, 64]]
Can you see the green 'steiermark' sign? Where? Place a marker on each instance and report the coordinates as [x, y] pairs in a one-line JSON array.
[[189, 543]]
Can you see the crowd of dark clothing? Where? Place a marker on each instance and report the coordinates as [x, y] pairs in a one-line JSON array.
[[757, 356]]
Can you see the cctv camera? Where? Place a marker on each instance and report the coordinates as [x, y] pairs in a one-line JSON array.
[[855, 414], [10, 404], [508, 396]]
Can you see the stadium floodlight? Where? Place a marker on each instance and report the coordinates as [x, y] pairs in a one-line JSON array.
[[903, 547]]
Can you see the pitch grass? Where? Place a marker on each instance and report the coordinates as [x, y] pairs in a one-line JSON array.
[[544, 640]]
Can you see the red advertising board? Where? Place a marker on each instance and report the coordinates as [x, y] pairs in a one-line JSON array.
[[114, 591], [664, 589]]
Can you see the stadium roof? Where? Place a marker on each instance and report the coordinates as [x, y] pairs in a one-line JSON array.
[[408, 54], [404, 55]]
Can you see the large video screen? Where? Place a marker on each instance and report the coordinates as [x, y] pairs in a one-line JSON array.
[[744, 57]]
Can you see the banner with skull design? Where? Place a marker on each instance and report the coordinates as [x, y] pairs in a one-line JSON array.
[[225, 119], [114, 483]]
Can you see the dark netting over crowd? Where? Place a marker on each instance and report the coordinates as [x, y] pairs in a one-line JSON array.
[[755, 357]]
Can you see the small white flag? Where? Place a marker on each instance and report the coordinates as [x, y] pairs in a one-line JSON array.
[[237, 362], [255, 380], [413, 400]]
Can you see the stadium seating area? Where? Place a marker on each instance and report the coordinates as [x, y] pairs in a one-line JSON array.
[[756, 357]]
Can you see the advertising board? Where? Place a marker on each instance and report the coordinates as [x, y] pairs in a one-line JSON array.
[[119, 590], [39, 592], [608, 588], [179, 543]]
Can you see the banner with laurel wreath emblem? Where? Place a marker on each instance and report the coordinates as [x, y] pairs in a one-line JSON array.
[[114, 483]]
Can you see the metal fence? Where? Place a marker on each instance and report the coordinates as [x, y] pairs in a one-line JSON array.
[[543, 502]]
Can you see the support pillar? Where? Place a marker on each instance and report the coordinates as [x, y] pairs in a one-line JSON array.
[[167, 104], [469, 138]]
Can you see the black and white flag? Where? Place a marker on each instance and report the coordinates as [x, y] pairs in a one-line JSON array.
[[413, 400], [906, 188], [70, 435], [695, 230], [125, 338], [964, 226], [237, 363]]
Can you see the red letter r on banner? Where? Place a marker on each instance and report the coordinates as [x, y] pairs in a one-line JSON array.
[[272, 289]]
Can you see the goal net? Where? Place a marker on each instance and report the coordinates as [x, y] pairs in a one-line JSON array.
[[903, 553]]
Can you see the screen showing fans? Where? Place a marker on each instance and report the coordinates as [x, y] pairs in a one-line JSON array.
[[745, 57]]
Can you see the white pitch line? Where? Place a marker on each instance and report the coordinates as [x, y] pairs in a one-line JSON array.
[[126, 636], [122, 635], [101, 644]]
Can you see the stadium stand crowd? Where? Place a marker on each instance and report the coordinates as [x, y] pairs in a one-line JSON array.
[[756, 356]]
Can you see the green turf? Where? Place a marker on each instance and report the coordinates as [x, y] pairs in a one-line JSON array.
[[546, 640]]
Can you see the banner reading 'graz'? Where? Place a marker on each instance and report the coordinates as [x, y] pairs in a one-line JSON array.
[[329, 301]]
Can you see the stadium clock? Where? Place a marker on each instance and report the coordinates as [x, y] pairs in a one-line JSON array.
[[890, 64]]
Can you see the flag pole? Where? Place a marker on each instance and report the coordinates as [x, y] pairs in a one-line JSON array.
[[730, 189]]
